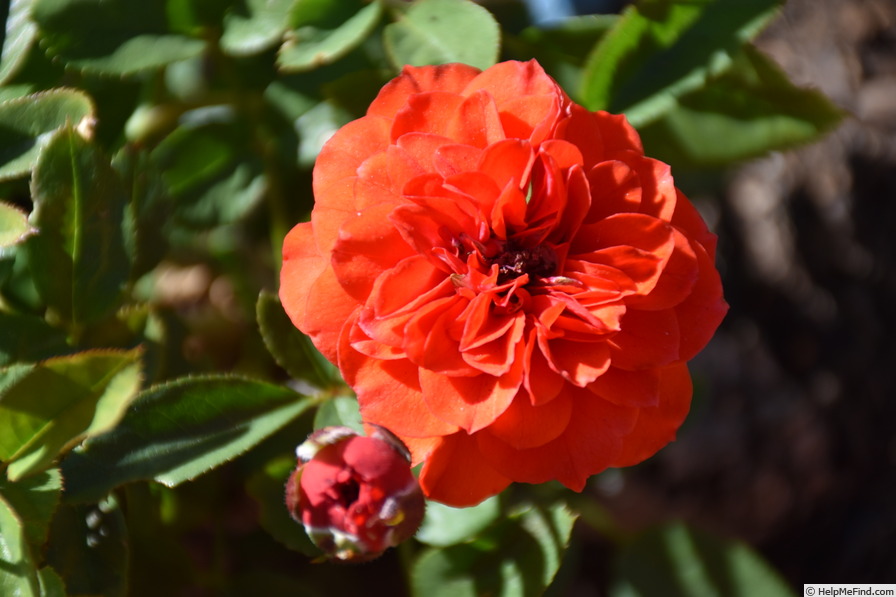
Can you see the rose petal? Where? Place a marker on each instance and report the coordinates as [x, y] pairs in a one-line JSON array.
[[449, 160], [591, 442], [428, 112], [636, 244], [413, 79], [306, 277], [471, 403], [432, 343], [524, 426], [541, 382], [341, 156], [648, 339], [701, 313], [389, 393], [628, 388], [365, 249], [615, 188], [676, 282], [477, 122], [455, 473], [617, 134], [580, 363], [656, 425]]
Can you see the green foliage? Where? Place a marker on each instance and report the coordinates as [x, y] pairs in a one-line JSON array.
[[442, 31], [14, 227], [49, 407], [746, 110], [686, 76], [680, 561], [101, 568], [153, 155], [78, 256], [323, 34], [25, 124], [444, 525], [177, 431], [18, 575], [517, 557], [111, 37]]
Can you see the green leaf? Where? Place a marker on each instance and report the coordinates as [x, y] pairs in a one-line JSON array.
[[176, 431], [25, 124], [18, 576], [518, 557], [267, 487], [291, 348], [89, 548], [34, 499], [51, 584], [751, 109], [678, 561], [443, 31], [255, 26], [20, 35], [662, 49], [444, 525], [14, 227], [316, 126], [47, 408], [209, 171], [79, 257], [318, 40], [563, 47], [341, 411], [112, 37], [28, 338]]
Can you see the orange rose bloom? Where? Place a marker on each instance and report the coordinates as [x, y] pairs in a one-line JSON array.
[[504, 278]]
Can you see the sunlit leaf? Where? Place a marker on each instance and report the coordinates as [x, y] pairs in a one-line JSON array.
[[18, 576], [320, 40], [78, 257], [518, 558], [444, 525], [49, 407], [341, 411], [26, 121], [114, 37], [267, 487], [256, 26], [443, 31], [661, 49], [14, 227], [176, 431], [89, 548], [21, 32], [34, 500], [678, 561], [751, 109], [316, 126]]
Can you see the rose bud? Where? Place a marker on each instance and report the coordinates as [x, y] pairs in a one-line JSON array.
[[355, 495]]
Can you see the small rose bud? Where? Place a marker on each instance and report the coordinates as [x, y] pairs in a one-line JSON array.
[[355, 495]]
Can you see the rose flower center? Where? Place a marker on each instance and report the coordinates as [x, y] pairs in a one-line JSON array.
[[539, 262]]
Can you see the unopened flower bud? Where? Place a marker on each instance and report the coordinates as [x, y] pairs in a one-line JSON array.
[[355, 495]]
